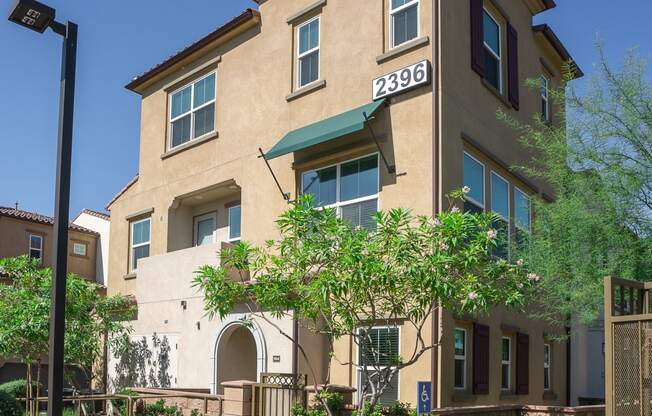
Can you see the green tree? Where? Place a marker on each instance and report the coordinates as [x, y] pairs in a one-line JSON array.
[[340, 281], [25, 313], [597, 157]]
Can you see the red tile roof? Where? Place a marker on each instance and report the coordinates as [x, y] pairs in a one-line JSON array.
[[38, 218], [102, 215]]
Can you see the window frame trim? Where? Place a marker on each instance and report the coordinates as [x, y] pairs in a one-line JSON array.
[[359, 365], [508, 363], [338, 204], [228, 215], [78, 243], [498, 56], [393, 12], [132, 266], [192, 111], [40, 249], [308, 52], [484, 182], [195, 222], [463, 358]]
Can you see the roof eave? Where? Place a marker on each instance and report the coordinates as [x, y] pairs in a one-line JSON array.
[[559, 47], [138, 83]]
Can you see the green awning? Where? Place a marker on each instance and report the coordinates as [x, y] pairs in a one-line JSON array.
[[322, 131]]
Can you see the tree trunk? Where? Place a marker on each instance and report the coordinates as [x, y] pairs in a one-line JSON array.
[[38, 383], [28, 389]]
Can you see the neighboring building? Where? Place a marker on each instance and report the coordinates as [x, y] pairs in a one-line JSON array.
[[588, 363], [29, 233], [295, 79], [101, 224]]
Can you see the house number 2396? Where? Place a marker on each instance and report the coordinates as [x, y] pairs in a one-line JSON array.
[[402, 80]]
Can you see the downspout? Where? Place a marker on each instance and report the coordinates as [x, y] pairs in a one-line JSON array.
[[295, 346], [568, 366], [434, 358]]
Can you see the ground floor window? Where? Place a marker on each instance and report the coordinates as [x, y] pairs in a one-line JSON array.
[[460, 358], [378, 349], [546, 366], [506, 364]]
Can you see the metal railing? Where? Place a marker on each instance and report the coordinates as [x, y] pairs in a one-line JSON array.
[[277, 393]]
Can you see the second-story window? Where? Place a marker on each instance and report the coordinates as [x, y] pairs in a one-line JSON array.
[[192, 111], [308, 52], [474, 179], [493, 51], [351, 188], [79, 249], [545, 104], [404, 21], [500, 207], [235, 218], [522, 217], [140, 241], [36, 247]]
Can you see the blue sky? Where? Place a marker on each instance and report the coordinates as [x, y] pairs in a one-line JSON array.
[[122, 38]]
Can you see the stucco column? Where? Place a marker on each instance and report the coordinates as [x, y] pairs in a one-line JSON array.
[[237, 397]]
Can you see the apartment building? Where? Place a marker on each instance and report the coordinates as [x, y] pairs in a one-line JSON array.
[[25, 233], [367, 105]]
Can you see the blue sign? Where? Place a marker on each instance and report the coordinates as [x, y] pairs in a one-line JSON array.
[[424, 397]]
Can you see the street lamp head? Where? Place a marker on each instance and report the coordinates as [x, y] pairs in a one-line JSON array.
[[32, 14]]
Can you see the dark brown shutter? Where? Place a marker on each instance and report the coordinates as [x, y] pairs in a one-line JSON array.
[[480, 359], [477, 48], [512, 66], [522, 364]]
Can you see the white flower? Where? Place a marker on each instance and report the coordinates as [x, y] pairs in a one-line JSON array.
[[491, 234], [447, 266], [520, 262], [436, 222], [519, 285], [443, 246], [466, 190], [455, 209], [473, 296], [533, 277]]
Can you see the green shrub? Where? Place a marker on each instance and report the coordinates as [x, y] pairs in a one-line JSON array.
[[9, 406], [15, 388], [369, 410], [160, 409], [399, 409]]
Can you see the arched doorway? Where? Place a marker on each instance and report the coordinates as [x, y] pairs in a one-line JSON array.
[[239, 353]]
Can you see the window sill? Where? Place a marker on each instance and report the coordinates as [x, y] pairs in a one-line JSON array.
[[130, 276], [189, 145], [79, 256], [496, 93], [401, 49], [463, 396], [306, 90]]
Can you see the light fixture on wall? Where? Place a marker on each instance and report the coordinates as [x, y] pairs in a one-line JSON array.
[[184, 305], [198, 325]]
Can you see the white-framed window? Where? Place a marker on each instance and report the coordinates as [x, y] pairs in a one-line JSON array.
[[546, 366], [493, 52], [545, 103], [308, 41], [204, 229], [235, 220], [404, 21], [522, 216], [79, 249], [460, 359], [36, 247], [500, 207], [192, 111], [506, 363], [140, 241], [350, 187], [383, 350], [474, 179]]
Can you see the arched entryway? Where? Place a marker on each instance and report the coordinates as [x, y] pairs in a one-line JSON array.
[[239, 353]]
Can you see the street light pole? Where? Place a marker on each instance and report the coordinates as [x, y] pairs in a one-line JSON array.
[[38, 17], [61, 216]]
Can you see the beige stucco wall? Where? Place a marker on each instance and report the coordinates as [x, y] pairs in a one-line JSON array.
[[254, 76], [14, 241]]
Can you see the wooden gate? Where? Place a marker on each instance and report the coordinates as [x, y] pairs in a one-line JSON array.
[[277, 393], [628, 348]]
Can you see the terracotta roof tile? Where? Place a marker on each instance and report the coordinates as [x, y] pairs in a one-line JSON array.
[[38, 218]]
